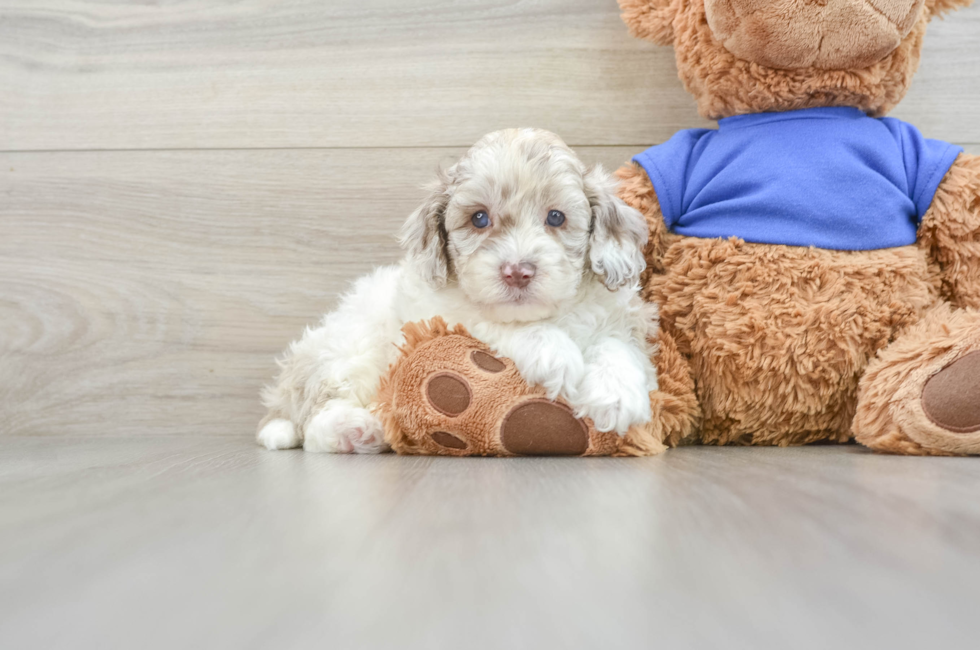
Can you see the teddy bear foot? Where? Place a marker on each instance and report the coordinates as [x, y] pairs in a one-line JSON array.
[[951, 397], [449, 396], [922, 395]]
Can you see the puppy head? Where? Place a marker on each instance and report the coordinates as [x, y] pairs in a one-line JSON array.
[[519, 223]]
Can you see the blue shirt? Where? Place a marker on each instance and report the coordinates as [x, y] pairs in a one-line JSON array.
[[826, 177]]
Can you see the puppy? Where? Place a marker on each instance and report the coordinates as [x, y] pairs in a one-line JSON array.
[[527, 248]]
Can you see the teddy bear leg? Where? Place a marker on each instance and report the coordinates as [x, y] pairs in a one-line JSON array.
[[921, 395]]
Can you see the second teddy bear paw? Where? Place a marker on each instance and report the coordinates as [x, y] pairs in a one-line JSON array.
[[922, 394]]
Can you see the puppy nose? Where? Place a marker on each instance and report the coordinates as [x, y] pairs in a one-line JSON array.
[[517, 275]]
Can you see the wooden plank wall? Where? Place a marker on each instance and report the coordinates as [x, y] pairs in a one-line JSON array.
[[185, 185]]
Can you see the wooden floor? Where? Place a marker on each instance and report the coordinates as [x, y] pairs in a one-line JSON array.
[[211, 542], [185, 542]]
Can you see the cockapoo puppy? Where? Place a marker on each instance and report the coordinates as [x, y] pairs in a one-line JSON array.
[[527, 248]]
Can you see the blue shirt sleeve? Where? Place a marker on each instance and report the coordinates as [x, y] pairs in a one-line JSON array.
[[926, 162], [668, 166]]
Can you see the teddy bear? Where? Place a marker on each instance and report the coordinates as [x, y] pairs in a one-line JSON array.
[[816, 264]]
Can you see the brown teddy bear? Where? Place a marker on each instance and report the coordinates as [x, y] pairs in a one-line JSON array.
[[817, 266]]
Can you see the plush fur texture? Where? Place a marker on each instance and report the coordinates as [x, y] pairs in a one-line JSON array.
[[675, 405], [779, 337], [827, 35], [950, 233], [890, 416], [414, 425], [789, 345], [724, 84], [577, 328]]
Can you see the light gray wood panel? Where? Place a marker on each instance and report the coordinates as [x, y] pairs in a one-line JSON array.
[[148, 292], [120, 75], [944, 94], [214, 543], [83, 75]]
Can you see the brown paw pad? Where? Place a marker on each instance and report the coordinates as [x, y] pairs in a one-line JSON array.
[[444, 439], [543, 428], [448, 393], [487, 362], [951, 397]]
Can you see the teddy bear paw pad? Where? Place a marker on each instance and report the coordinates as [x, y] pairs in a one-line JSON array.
[[448, 394], [446, 439], [951, 397], [487, 362], [543, 428]]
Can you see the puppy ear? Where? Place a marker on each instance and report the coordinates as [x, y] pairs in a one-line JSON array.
[[652, 20], [940, 7], [618, 233], [423, 235]]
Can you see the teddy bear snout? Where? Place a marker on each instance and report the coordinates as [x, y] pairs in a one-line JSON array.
[[824, 34]]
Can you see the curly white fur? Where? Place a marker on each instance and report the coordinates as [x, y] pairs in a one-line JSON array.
[[579, 328]]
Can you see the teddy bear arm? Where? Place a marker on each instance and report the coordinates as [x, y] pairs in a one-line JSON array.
[[950, 232], [637, 191]]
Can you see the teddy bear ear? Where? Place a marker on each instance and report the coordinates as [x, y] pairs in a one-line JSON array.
[[940, 7], [653, 20]]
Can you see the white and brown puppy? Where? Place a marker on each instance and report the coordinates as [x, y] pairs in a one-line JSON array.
[[530, 250]]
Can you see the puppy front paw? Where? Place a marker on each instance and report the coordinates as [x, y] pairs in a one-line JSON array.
[[344, 428], [614, 402], [550, 359]]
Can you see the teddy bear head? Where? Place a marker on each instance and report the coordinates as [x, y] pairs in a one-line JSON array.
[[754, 56]]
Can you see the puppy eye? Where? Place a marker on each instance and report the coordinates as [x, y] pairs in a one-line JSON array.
[[480, 219], [555, 218]]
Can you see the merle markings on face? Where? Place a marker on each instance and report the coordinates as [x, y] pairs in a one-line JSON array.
[[519, 223]]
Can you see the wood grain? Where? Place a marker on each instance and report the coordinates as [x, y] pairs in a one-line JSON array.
[[148, 292], [385, 73], [214, 543]]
